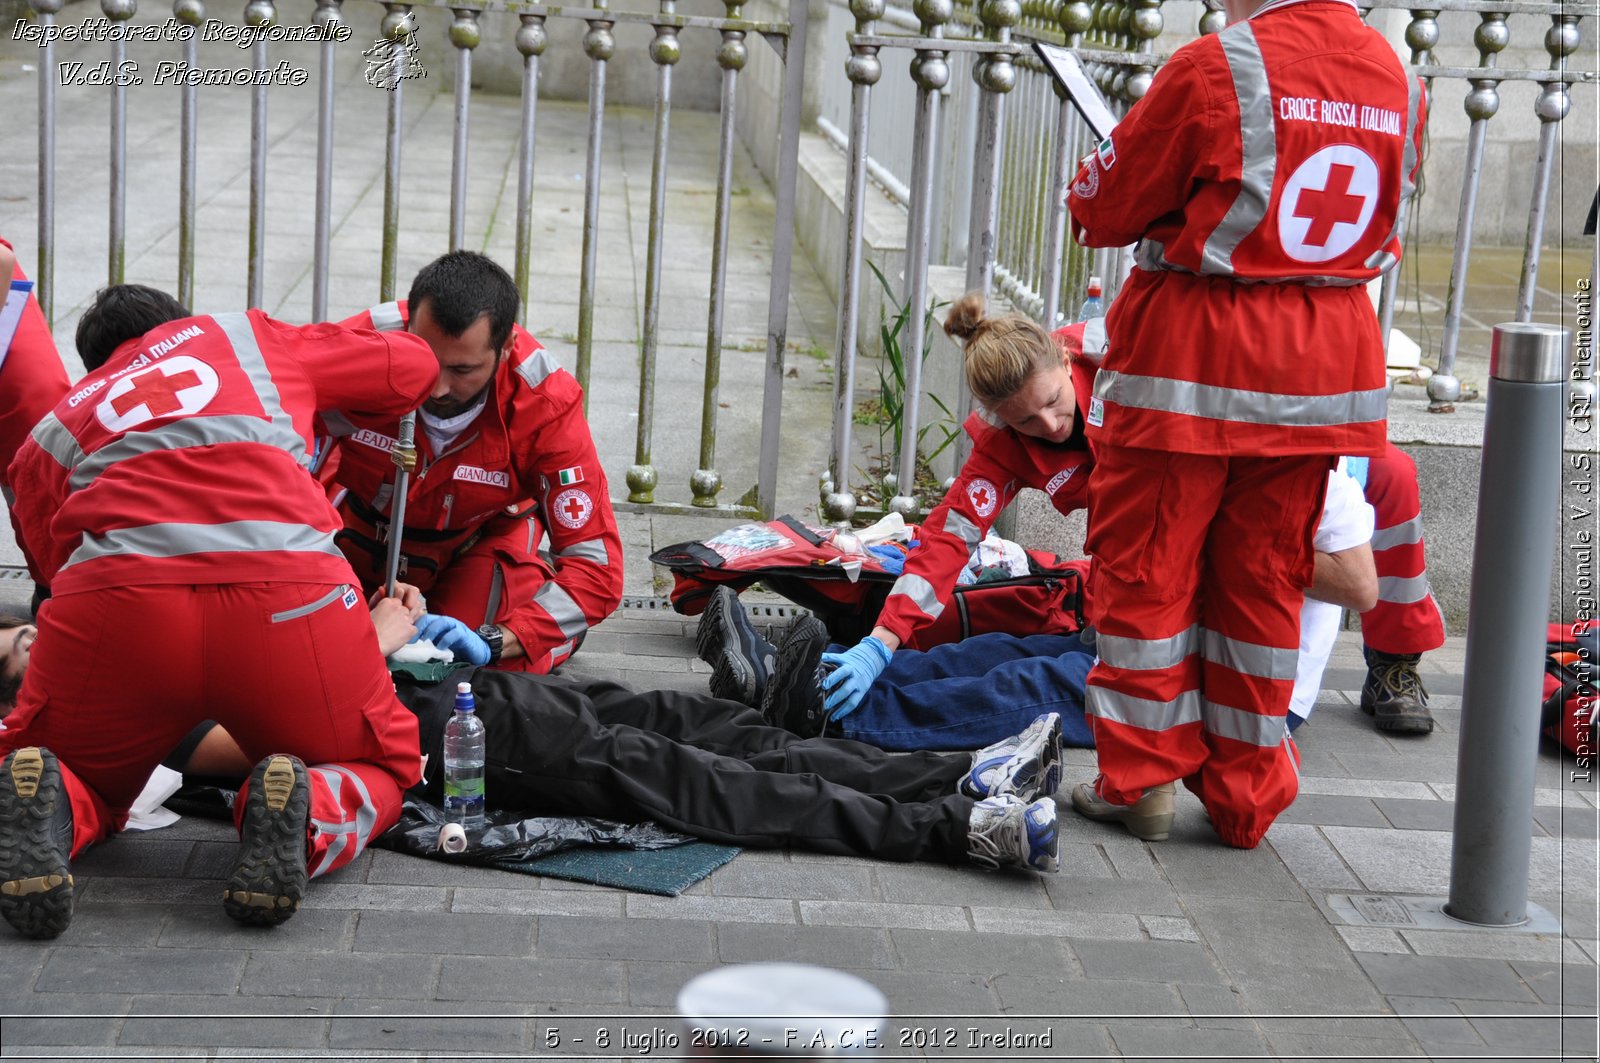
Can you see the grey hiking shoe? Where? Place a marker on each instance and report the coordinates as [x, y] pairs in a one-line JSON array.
[[35, 844], [1393, 694], [269, 878], [1149, 818], [1027, 765], [739, 657]]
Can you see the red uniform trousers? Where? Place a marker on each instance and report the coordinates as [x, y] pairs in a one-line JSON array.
[[480, 583], [1201, 565], [1406, 619], [285, 667]]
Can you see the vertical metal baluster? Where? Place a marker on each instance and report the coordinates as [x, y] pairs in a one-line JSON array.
[[665, 51], [327, 15], [1056, 228], [464, 35], [44, 275], [731, 57], [863, 68], [1422, 33], [995, 76], [398, 22], [117, 246], [1482, 102], [788, 167], [1552, 106], [598, 45], [931, 72], [258, 13], [531, 41]]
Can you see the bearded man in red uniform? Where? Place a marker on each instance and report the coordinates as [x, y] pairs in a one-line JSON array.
[[167, 502], [504, 459], [1263, 176]]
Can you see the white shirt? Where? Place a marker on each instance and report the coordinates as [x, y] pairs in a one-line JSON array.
[[1347, 522]]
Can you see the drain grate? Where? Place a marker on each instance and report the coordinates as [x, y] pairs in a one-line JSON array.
[[14, 572]]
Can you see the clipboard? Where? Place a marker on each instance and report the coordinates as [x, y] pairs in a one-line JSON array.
[[1081, 89], [11, 315]]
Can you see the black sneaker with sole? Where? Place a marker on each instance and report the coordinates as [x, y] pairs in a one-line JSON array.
[[35, 844], [1393, 694], [739, 657], [269, 879], [794, 689]]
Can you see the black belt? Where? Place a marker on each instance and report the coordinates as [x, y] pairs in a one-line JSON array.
[[416, 535]]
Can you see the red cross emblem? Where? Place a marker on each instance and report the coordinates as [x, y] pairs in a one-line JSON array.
[[983, 495], [156, 391], [1327, 203], [572, 508], [180, 385]]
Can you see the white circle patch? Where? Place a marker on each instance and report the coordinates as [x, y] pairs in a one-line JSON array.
[[572, 508], [1327, 203], [174, 387], [983, 495]]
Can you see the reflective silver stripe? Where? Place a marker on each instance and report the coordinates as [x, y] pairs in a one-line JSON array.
[[247, 350], [1252, 727], [1141, 712], [537, 366], [358, 832], [57, 441], [1151, 256], [1382, 259], [180, 540], [562, 609], [1235, 404], [311, 607], [958, 525], [1094, 339], [1119, 651], [920, 591], [988, 417], [1402, 590], [1251, 658], [1259, 161], [181, 434], [1402, 534], [592, 550], [386, 317]]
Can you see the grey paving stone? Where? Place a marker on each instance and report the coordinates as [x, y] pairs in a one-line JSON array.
[[933, 950], [1174, 1039], [444, 934], [1083, 894], [1333, 809], [1091, 996], [149, 891], [1308, 856], [1146, 961], [402, 869], [1427, 815], [1274, 950], [209, 927], [1432, 976], [933, 993], [1534, 1032], [23, 962], [1344, 785], [958, 886], [226, 1022], [1216, 1007], [1419, 861], [1169, 928], [1372, 939], [1435, 1022], [1106, 926], [1568, 822], [1215, 870], [64, 1019], [1127, 856], [863, 913], [589, 982], [1559, 983], [125, 925], [656, 985], [830, 946], [105, 969], [339, 975], [751, 878], [1295, 1044], [413, 1025], [628, 939], [360, 896], [134, 856], [715, 909], [1486, 944], [538, 902]]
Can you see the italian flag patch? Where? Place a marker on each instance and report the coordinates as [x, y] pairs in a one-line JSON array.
[[571, 476]]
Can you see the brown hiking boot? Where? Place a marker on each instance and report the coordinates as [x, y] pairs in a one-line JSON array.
[[1393, 694]]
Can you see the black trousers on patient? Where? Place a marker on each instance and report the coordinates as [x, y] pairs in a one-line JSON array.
[[697, 764]]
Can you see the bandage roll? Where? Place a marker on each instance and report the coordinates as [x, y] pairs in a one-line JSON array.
[[453, 838]]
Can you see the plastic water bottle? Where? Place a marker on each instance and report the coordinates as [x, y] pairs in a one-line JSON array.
[[1093, 305], [463, 762]]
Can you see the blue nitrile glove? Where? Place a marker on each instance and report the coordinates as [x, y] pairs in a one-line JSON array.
[[892, 558], [448, 633], [853, 672]]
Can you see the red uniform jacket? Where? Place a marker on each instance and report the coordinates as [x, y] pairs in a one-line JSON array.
[[184, 458], [1263, 174], [1002, 463], [531, 444], [32, 380]]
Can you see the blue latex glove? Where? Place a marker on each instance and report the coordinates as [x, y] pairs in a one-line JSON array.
[[892, 557], [448, 633], [854, 670]]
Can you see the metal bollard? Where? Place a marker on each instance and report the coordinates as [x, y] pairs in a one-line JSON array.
[[1519, 496], [780, 1009]]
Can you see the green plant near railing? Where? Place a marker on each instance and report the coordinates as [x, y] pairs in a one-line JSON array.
[[891, 399]]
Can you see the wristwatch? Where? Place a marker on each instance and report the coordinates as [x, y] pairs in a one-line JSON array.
[[492, 634]]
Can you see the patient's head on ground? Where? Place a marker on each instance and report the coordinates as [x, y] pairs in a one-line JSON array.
[[1015, 369], [120, 313], [16, 643]]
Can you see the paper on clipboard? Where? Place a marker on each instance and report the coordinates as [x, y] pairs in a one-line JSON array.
[[1081, 90], [11, 315]]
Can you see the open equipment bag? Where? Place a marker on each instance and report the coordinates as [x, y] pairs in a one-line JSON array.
[[1571, 673], [846, 589]]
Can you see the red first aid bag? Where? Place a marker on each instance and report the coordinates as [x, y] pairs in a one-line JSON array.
[[801, 563], [1571, 672]]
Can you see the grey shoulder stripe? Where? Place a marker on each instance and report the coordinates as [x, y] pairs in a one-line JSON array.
[[386, 317], [58, 442], [247, 349], [1259, 161], [181, 435], [537, 366]]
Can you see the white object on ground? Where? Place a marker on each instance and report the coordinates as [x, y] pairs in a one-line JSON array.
[[147, 813]]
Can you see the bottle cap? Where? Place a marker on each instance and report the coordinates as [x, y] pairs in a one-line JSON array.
[[1094, 286], [464, 702]]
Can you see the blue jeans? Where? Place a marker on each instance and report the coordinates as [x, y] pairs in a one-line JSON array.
[[967, 694]]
